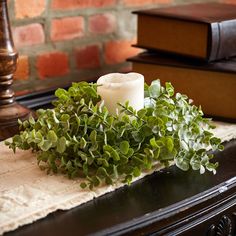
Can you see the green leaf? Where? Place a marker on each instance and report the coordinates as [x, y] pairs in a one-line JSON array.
[[85, 169], [31, 120], [101, 172], [169, 89], [115, 156], [182, 164], [45, 145], [113, 153], [83, 185], [115, 171], [42, 157], [136, 172], [83, 143], [61, 145], [52, 137], [61, 93], [137, 136], [153, 143], [169, 144], [157, 153], [96, 181], [128, 179], [138, 161], [195, 163], [130, 152], [108, 180], [65, 117], [124, 147], [155, 89], [141, 113], [146, 131], [212, 167], [93, 136], [77, 120], [103, 162]]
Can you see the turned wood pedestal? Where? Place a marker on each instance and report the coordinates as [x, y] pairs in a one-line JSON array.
[[10, 111]]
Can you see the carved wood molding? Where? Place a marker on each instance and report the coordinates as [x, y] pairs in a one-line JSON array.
[[224, 227]]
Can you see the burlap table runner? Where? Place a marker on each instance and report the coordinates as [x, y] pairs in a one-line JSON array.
[[28, 194]]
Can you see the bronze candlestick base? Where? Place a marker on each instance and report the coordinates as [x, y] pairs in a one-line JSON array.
[[9, 115], [10, 111]]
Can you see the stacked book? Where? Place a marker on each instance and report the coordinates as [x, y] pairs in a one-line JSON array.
[[194, 47]]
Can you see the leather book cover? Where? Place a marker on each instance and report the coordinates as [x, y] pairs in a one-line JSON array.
[[211, 85], [202, 30], [224, 65]]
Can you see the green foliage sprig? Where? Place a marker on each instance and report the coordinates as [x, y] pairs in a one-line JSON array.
[[80, 138]]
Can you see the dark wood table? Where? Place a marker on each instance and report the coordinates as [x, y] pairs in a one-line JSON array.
[[169, 202]]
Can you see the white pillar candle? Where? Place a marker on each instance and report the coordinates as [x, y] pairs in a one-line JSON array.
[[118, 87]]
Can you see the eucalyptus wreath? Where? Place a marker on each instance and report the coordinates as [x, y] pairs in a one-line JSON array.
[[79, 137]]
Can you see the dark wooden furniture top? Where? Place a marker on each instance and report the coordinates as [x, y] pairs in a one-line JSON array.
[[169, 202]]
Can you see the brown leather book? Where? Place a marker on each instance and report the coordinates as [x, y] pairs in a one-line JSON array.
[[211, 85], [204, 30]]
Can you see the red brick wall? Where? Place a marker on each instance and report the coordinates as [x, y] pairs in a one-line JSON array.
[[60, 41]]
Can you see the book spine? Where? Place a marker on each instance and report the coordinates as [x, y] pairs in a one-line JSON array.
[[223, 40], [213, 41], [227, 46]]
